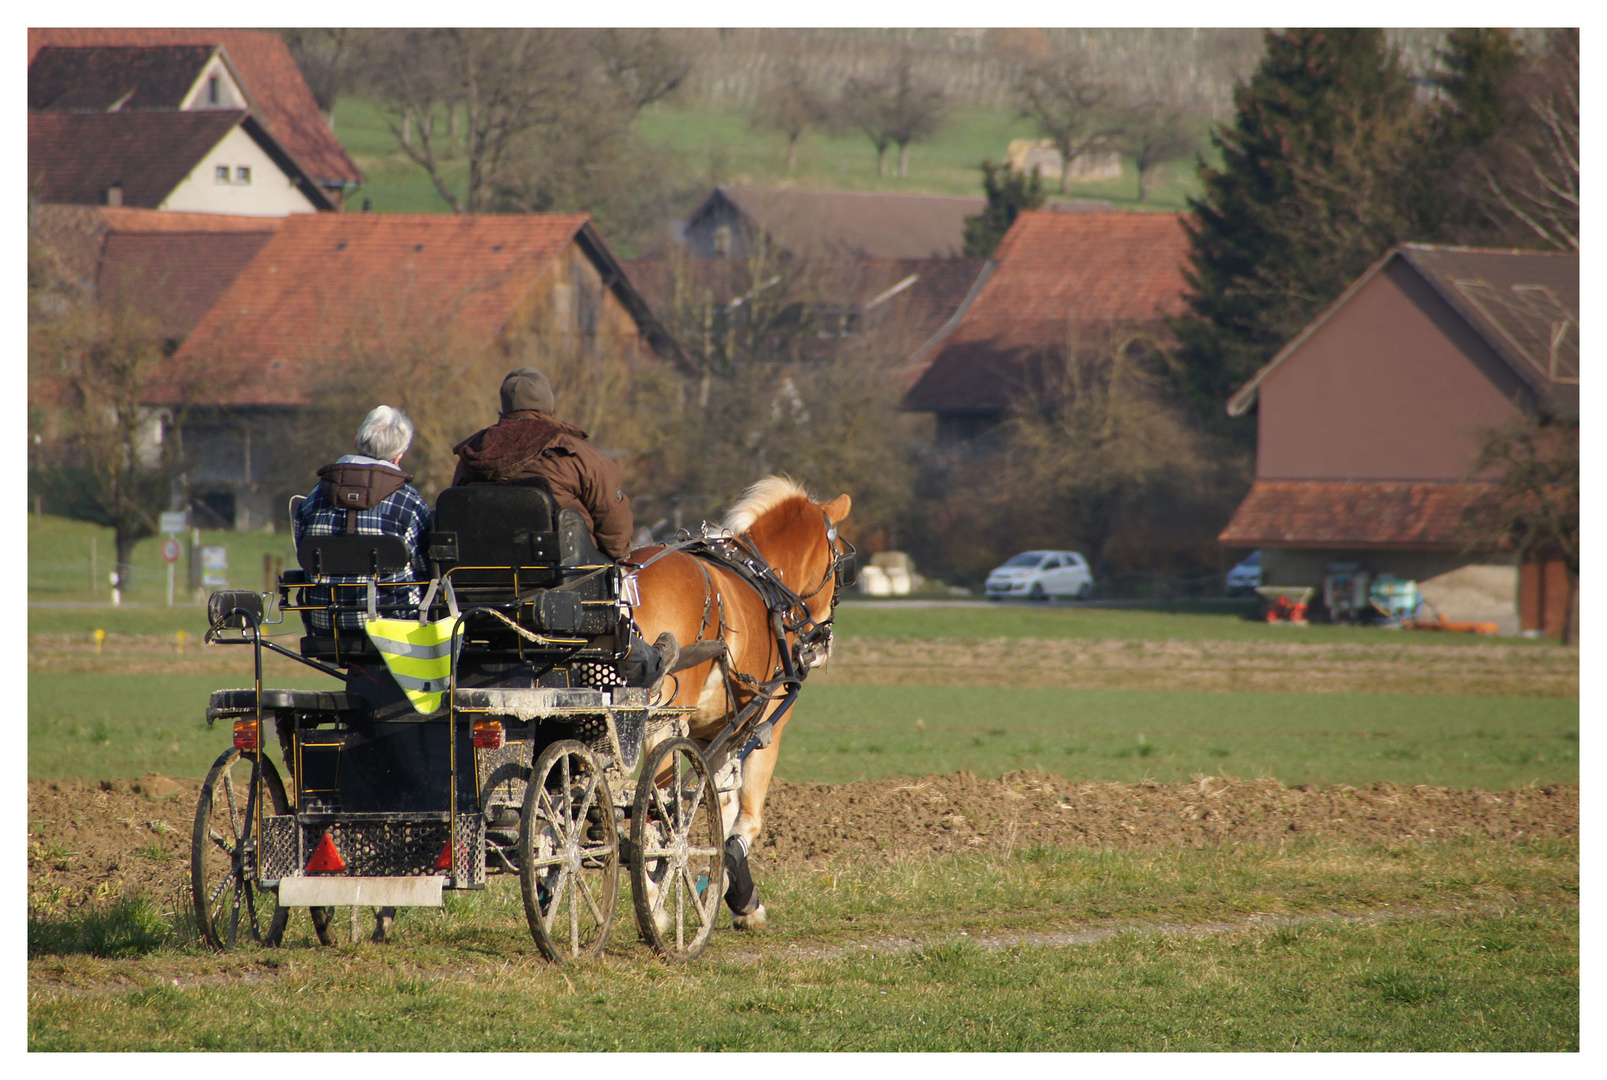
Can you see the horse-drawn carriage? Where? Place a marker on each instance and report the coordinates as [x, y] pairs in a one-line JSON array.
[[484, 726]]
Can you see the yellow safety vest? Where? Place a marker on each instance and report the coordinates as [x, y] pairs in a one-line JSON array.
[[419, 657]]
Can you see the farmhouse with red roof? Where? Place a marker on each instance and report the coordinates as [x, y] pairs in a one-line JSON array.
[[256, 66], [1054, 276], [1369, 422], [401, 297]]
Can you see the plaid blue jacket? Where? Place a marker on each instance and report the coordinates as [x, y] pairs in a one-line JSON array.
[[405, 515]]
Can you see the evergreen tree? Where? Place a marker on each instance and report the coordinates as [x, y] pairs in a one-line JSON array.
[[1477, 69], [1319, 177], [1008, 194]]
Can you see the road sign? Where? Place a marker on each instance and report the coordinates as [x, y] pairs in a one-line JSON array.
[[174, 523], [214, 567], [170, 550]]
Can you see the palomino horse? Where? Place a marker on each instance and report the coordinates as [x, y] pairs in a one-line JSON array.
[[702, 602]]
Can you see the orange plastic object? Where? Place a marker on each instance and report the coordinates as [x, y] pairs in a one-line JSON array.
[[325, 859]]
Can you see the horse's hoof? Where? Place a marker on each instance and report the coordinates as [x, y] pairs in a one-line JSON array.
[[753, 920]]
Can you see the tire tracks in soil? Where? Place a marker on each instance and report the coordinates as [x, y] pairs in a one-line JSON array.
[[885, 945]]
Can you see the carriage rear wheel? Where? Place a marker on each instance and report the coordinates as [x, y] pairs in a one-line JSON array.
[[678, 856], [230, 907], [568, 853]]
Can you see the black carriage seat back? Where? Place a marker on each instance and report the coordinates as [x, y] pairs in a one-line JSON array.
[[352, 555], [485, 533], [498, 541]]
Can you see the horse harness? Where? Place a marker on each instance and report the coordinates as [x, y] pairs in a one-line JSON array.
[[801, 640]]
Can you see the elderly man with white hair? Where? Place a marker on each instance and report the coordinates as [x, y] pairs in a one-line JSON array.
[[367, 493]]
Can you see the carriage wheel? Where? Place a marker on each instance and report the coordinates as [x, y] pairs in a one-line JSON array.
[[678, 860], [568, 853], [230, 907]]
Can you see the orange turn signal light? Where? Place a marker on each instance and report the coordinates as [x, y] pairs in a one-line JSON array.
[[246, 735], [488, 734]]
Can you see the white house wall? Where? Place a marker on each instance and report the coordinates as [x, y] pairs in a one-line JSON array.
[[269, 194]]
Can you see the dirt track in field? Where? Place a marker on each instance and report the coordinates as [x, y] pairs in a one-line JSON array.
[[86, 842]]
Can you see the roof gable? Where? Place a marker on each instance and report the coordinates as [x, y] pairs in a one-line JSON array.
[[1052, 273], [279, 94], [1523, 304]]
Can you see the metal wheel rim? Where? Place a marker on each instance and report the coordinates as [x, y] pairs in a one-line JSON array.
[[570, 881], [677, 838], [229, 905]]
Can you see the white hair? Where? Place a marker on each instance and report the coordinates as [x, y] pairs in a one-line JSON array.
[[761, 496], [386, 434]]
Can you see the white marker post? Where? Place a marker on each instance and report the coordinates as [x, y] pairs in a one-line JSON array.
[[170, 554]]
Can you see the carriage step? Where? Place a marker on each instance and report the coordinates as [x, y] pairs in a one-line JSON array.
[[375, 891]]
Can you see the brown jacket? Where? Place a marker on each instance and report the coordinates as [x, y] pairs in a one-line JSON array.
[[527, 445]]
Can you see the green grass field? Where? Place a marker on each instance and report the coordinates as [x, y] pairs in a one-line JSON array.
[[1462, 944], [1495, 968], [726, 148]]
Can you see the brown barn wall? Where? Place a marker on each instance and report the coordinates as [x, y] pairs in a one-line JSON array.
[[570, 302], [1394, 386]]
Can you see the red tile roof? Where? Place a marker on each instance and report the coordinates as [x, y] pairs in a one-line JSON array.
[[272, 79], [75, 157], [327, 280], [1308, 513], [1053, 271], [171, 264], [175, 277], [127, 78]]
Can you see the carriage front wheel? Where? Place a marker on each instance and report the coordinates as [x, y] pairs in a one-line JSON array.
[[230, 907], [568, 853], [678, 854]]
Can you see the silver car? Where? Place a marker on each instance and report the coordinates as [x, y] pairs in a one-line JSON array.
[[1038, 575]]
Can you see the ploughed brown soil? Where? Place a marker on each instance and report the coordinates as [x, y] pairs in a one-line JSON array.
[[91, 841]]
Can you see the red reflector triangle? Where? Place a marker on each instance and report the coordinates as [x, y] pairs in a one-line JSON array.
[[444, 860], [325, 859]]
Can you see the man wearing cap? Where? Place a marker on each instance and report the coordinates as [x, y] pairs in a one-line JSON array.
[[529, 445]]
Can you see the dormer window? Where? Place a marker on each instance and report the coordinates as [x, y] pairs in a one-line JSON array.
[[242, 174], [221, 174], [212, 91], [114, 195]]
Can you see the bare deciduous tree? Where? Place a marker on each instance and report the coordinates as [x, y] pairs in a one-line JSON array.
[[1072, 109], [97, 359], [507, 83], [1153, 133], [793, 107], [1529, 175], [896, 109]]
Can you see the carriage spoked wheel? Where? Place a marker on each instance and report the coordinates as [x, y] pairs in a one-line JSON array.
[[230, 907], [678, 857], [568, 853]]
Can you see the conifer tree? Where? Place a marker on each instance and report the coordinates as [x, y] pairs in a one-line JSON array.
[[1318, 178], [1008, 193]]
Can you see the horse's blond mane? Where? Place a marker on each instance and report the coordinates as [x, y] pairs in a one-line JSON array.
[[761, 497]]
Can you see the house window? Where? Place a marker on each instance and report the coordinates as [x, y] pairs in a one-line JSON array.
[[221, 174], [242, 174], [722, 240], [212, 90]]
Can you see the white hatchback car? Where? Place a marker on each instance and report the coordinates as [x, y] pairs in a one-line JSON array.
[[1038, 575]]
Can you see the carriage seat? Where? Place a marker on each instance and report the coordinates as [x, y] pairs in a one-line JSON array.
[[360, 561], [502, 544]]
